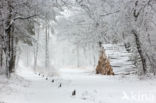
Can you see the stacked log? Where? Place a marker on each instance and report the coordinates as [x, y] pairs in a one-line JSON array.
[[104, 66]]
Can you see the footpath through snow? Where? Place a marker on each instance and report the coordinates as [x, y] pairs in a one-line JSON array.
[[90, 88]]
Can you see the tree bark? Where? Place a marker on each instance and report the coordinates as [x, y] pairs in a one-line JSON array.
[[47, 47], [1, 57], [9, 45], [140, 51], [36, 51], [13, 55]]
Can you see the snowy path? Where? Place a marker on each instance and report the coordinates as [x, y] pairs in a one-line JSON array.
[[90, 88]]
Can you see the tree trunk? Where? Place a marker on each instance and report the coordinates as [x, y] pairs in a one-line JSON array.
[[8, 42], [7, 49], [13, 55], [36, 51], [1, 57], [77, 53], [140, 51], [46, 48], [126, 44]]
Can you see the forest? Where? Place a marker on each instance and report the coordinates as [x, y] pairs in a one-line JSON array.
[[77, 51]]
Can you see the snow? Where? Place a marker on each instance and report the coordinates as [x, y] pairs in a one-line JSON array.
[[27, 87], [119, 58]]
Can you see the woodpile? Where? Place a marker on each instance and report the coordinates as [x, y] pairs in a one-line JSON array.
[[104, 66]]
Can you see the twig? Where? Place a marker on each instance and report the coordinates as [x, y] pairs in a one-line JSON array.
[[110, 13], [23, 18]]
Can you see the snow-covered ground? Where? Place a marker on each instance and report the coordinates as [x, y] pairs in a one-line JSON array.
[[89, 87]]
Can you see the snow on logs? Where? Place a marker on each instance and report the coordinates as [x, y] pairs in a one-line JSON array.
[[104, 66]]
